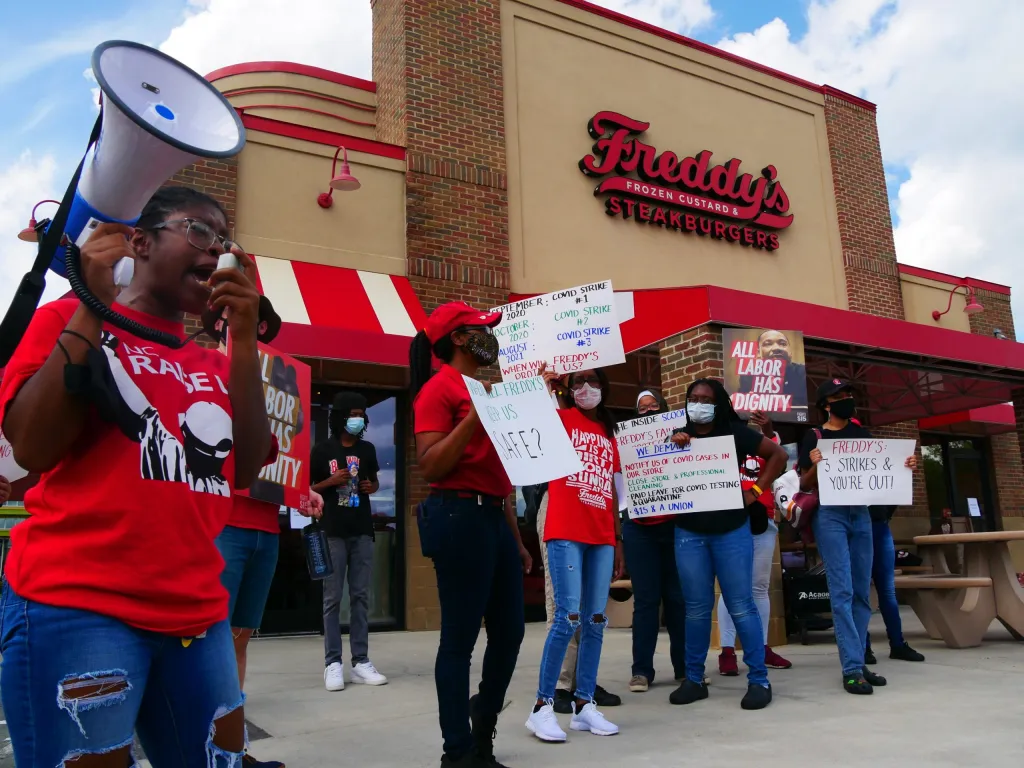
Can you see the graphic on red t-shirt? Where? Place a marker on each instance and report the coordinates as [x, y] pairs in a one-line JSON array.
[[580, 505]]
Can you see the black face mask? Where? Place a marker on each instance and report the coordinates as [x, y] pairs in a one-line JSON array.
[[484, 347], [843, 409]]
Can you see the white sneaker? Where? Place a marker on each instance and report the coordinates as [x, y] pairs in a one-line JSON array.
[[544, 725], [367, 674], [589, 719], [334, 677]]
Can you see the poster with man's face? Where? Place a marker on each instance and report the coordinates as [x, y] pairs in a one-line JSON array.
[[765, 371]]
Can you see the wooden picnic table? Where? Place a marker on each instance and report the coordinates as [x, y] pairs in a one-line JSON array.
[[986, 559]]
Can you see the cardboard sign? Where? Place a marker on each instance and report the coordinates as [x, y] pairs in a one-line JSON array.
[[764, 371], [570, 330], [865, 471], [286, 393], [8, 467], [663, 479], [522, 423]]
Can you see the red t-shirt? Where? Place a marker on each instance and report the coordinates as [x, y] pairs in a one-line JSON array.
[[125, 524], [580, 506], [254, 515], [750, 470], [439, 407]]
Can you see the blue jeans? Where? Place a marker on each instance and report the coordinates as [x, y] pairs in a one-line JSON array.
[[250, 558], [844, 540], [127, 680], [884, 574], [730, 557], [580, 577], [650, 552], [479, 579]]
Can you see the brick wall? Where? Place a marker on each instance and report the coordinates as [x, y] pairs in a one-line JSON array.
[[865, 225], [693, 354], [997, 314], [438, 69]]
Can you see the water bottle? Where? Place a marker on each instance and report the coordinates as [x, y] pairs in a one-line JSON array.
[[318, 553]]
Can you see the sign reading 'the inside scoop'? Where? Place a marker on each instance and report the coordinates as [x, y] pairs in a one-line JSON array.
[[570, 330]]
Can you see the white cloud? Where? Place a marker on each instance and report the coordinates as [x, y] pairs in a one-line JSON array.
[[682, 16], [23, 184], [949, 84], [333, 34]]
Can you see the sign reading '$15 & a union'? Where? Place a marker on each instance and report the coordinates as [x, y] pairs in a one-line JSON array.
[[689, 194]]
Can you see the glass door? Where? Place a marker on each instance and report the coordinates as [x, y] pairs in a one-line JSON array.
[[957, 479]]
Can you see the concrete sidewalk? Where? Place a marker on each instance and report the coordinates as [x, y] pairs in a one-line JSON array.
[[960, 708]]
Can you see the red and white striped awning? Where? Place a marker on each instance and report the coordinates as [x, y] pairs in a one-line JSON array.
[[340, 314]]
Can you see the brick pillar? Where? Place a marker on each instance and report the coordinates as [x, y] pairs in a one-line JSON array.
[[440, 94], [865, 226]]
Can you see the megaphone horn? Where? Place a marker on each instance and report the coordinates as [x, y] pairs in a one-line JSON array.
[[158, 117]]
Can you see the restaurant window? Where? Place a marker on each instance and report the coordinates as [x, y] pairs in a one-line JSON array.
[[957, 478]]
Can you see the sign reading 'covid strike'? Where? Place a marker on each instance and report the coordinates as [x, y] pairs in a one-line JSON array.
[[688, 194]]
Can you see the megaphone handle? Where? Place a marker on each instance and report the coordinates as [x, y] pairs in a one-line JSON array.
[[124, 271]]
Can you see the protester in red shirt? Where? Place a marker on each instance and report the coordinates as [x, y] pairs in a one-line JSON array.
[[113, 596], [468, 527], [584, 554]]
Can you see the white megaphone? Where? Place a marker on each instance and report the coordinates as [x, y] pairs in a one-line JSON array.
[[158, 117]]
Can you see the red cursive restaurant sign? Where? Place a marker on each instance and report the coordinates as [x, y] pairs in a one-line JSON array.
[[686, 194]]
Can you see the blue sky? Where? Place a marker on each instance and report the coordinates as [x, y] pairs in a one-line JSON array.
[[949, 89]]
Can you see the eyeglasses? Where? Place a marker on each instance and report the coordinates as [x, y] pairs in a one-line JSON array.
[[704, 399], [577, 384], [198, 234], [643, 410]]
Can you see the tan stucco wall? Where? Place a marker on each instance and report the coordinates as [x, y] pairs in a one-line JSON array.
[[279, 179], [921, 296], [563, 65], [346, 107]]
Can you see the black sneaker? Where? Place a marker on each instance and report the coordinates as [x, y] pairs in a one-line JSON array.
[[876, 681], [604, 699], [858, 685], [905, 653], [248, 761], [688, 692], [563, 702], [758, 696], [869, 657], [468, 760]]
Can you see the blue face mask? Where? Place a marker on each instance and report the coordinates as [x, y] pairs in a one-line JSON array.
[[700, 413], [355, 425]]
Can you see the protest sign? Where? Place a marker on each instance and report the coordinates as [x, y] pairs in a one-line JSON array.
[[764, 371], [286, 393], [8, 467], [865, 471], [664, 479], [570, 330], [521, 421]]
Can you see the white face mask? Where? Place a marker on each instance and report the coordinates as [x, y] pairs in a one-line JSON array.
[[700, 413], [587, 397]]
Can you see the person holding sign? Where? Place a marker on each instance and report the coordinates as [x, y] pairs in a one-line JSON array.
[[649, 546], [844, 538], [468, 527], [720, 544], [584, 555]]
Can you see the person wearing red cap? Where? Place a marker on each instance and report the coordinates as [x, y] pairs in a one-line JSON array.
[[468, 527]]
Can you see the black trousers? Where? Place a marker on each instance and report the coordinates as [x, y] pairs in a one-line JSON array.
[[479, 578]]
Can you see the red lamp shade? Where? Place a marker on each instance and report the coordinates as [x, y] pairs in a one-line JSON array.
[[973, 306], [29, 234], [342, 180]]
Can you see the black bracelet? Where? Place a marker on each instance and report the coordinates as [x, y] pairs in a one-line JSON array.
[[63, 349], [77, 335]]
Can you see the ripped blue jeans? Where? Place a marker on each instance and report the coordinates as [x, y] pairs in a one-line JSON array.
[[76, 683], [580, 577]]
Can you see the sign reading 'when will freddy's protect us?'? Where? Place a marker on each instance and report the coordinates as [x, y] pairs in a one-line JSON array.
[[570, 330]]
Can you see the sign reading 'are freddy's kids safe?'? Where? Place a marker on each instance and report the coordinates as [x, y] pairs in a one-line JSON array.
[[521, 421], [570, 330], [865, 471], [663, 479]]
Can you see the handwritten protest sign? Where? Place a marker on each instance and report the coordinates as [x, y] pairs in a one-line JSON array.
[[765, 371], [8, 467], [865, 471], [570, 330], [286, 394], [522, 423], [663, 479]]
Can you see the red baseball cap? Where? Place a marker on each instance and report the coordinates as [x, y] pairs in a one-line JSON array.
[[454, 315]]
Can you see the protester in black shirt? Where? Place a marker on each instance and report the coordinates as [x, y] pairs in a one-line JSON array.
[[844, 538], [710, 544], [344, 471]]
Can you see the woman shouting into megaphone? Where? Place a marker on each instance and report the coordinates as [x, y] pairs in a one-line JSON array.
[[113, 596]]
